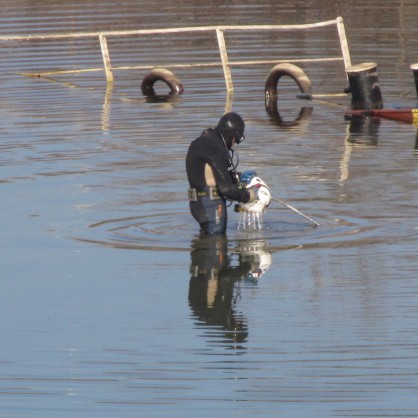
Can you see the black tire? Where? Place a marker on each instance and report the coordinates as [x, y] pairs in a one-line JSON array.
[[271, 95], [285, 69], [161, 74]]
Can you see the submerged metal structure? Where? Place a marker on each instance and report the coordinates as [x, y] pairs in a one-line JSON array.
[[219, 31]]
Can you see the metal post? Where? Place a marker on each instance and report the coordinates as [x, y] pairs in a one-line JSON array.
[[414, 68], [106, 58], [343, 42], [224, 57], [364, 86]]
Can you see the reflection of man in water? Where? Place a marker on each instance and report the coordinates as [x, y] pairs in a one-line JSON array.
[[214, 291]]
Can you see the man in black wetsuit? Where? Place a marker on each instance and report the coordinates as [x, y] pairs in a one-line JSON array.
[[212, 176]]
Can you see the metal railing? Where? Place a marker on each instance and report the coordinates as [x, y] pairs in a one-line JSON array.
[[219, 30]]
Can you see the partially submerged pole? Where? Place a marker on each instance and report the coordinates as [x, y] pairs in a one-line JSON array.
[[224, 58], [343, 42], [295, 210], [364, 86], [106, 58]]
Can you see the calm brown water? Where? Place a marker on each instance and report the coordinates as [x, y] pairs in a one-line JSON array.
[[110, 304]]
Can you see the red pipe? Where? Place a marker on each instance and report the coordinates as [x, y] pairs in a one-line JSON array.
[[407, 115]]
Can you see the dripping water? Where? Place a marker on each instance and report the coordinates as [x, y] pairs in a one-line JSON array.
[[250, 221]]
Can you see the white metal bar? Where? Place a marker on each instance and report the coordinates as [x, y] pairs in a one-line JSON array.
[[166, 31], [106, 58], [343, 42], [224, 58], [201, 65]]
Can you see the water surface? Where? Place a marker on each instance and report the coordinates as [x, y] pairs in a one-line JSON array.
[[111, 303]]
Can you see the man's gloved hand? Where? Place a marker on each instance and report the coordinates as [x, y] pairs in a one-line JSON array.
[[260, 196], [253, 190]]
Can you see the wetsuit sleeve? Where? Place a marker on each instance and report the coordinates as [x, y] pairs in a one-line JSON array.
[[226, 187]]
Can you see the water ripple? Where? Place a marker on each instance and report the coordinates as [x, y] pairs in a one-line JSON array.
[[158, 232]]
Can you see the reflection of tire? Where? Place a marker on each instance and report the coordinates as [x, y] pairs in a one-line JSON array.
[[290, 70], [161, 74], [303, 116], [304, 84]]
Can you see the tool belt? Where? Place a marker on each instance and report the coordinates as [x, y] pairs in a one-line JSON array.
[[194, 194]]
